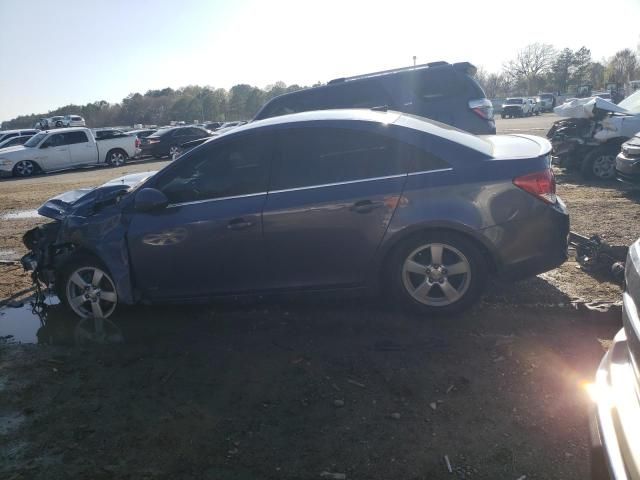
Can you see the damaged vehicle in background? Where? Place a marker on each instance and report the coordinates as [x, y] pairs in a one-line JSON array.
[[591, 137], [336, 199]]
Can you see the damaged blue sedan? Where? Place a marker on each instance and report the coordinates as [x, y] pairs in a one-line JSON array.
[[342, 199]]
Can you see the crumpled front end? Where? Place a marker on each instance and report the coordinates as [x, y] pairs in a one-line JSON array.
[[53, 245]]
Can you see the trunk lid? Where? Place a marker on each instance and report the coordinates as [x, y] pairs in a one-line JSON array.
[[510, 147]]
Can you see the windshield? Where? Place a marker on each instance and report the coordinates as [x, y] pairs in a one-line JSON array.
[[514, 101], [631, 103], [35, 140], [546, 96]]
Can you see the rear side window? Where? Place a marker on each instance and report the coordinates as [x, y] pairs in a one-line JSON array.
[[76, 137], [320, 156]]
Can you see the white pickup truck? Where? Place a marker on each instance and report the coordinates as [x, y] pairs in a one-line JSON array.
[[65, 148]]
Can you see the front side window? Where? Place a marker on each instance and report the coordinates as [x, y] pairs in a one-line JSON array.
[[320, 156], [220, 169], [56, 140]]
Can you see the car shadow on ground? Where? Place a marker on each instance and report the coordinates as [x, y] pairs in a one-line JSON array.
[[169, 323]]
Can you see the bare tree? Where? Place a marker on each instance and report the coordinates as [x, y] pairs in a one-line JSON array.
[[530, 65], [623, 66]]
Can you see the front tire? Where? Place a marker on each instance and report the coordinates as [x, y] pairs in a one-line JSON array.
[[116, 158], [438, 273], [600, 163], [87, 288], [24, 168], [173, 151]]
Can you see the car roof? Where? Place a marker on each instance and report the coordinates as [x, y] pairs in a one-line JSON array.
[[422, 124], [64, 130]]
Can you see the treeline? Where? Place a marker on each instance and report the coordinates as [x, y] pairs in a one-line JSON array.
[[541, 68], [159, 107]]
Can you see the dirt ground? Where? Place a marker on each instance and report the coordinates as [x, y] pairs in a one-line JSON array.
[[310, 388]]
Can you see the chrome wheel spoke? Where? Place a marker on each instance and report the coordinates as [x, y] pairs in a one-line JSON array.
[[449, 291], [97, 277], [108, 296], [423, 289], [77, 279], [96, 310], [77, 301], [457, 268], [415, 267], [436, 254]]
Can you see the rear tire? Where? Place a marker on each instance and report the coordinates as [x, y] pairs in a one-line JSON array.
[[86, 287], [600, 163], [116, 157], [437, 273]]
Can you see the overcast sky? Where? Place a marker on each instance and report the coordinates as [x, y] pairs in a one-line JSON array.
[[77, 51]]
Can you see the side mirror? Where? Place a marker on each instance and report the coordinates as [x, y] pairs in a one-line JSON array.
[[150, 199]]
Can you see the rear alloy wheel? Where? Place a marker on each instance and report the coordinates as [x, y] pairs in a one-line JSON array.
[[439, 273], [116, 158], [173, 152], [24, 168], [89, 290], [600, 163]]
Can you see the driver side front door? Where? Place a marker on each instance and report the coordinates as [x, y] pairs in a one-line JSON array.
[[208, 241], [54, 153]]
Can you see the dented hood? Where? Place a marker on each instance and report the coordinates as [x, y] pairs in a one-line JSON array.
[[62, 205], [587, 107]]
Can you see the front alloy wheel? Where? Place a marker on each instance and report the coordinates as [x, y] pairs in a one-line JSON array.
[[24, 168], [174, 151], [90, 292]]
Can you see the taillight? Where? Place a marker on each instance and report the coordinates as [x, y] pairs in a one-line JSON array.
[[137, 142], [482, 107], [540, 184]]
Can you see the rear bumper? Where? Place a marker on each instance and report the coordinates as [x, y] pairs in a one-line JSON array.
[[536, 245]]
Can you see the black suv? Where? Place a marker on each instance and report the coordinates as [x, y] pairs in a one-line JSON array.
[[438, 90], [166, 141]]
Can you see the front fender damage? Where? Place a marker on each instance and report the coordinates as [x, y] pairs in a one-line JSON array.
[[103, 235]]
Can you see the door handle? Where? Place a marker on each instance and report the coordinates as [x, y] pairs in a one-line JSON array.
[[366, 206], [239, 224]]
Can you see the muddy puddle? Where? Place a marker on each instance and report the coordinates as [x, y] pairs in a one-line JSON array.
[[21, 323], [21, 215]]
